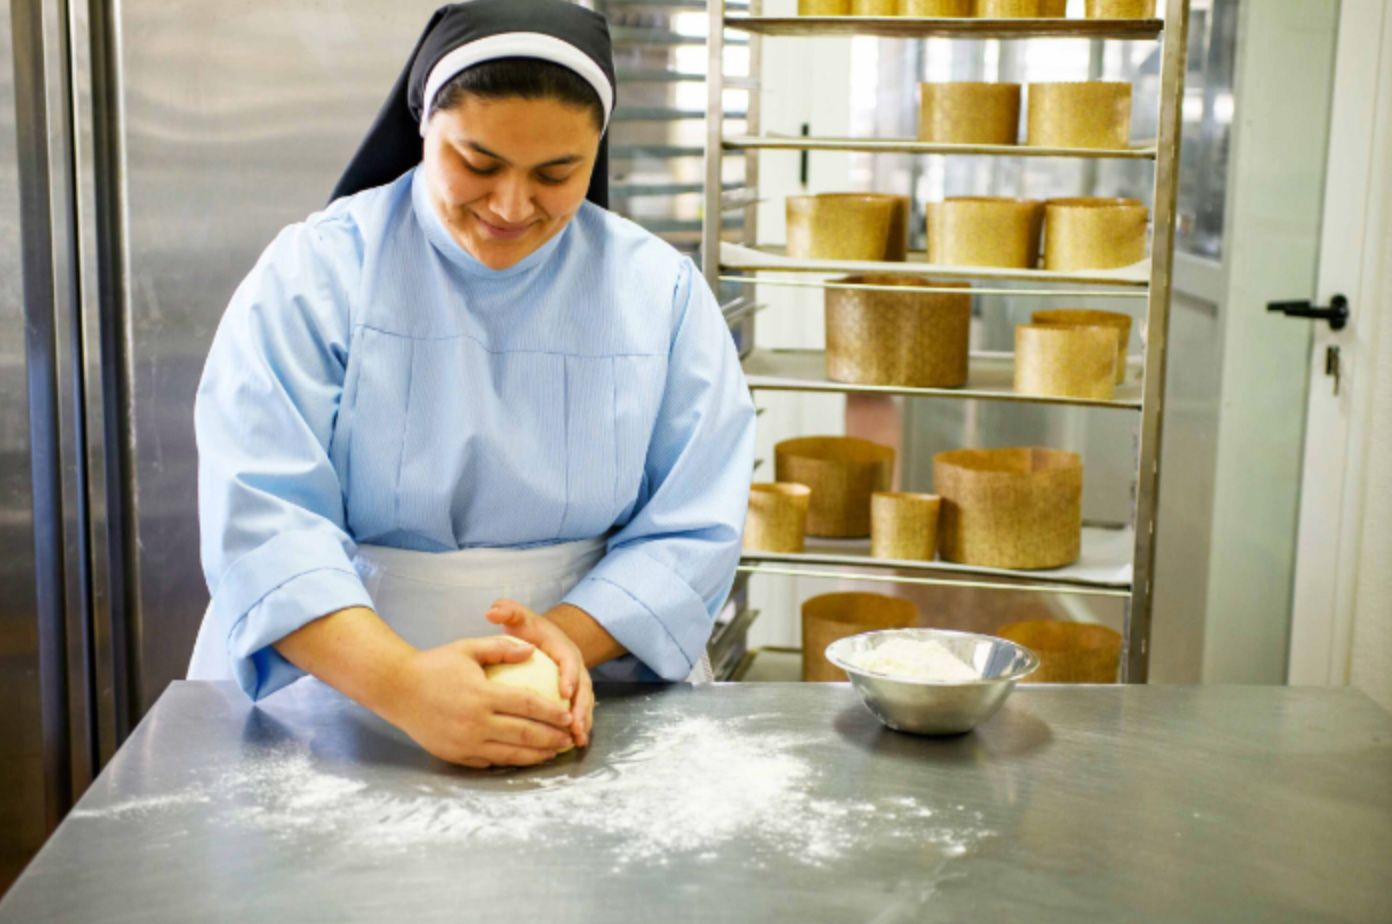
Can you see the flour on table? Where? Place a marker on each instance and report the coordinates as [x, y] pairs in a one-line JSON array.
[[685, 788], [144, 804], [915, 659]]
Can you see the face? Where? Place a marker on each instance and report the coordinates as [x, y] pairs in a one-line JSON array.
[[506, 175]]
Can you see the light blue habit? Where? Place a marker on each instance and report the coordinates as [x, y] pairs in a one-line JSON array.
[[371, 382]]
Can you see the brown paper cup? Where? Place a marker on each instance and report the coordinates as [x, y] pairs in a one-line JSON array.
[[1009, 508], [897, 244], [1006, 9], [824, 7], [984, 231], [1092, 114], [842, 472], [777, 519], [874, 7], [969, 113], [946, 9], [846, 226], [830, 617], [1066, 361], [1093, 233], [1119, 9], [1069, 652], [904, 525], [1087, 317], [910, 339]]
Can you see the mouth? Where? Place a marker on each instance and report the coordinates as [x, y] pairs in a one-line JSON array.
[[503, 232]]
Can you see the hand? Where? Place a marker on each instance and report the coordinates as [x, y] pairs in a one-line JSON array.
[[446, 703], [518, 621]]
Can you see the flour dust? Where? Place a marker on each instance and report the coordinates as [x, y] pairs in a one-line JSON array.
[[684, 789]]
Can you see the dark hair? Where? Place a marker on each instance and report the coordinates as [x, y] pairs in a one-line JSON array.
[[529, 78]]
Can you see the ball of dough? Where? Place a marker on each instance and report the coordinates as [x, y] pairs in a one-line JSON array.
[[538, 674]]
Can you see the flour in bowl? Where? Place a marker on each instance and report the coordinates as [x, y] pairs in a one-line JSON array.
[[915, 659]]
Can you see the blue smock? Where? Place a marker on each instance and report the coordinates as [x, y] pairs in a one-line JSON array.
[[371, 382]]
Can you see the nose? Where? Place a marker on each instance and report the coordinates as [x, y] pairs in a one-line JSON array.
[[512, 199]]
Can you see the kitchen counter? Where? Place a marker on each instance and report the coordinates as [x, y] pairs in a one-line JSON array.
[[742, 802]]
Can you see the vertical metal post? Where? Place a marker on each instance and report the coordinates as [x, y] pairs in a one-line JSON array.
[[55, 390], [753, 126], [712, 215], [1136, 659], [110, 493]]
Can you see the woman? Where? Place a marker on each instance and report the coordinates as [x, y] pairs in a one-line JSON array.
[[463, 381]]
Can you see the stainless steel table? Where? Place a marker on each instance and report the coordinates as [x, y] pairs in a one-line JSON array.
[[741, 803]]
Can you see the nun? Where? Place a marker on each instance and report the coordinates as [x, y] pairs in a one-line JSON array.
[[465, 399]]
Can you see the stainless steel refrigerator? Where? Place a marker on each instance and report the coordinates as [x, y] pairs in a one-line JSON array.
[[149, 150]]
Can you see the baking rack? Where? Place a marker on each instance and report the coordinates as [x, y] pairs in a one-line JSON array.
[[1116, 561]]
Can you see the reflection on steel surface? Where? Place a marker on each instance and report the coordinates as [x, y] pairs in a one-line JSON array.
[[238, 120]]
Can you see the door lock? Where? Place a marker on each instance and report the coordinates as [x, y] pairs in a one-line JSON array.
[[1331, 365], [1336, 314]]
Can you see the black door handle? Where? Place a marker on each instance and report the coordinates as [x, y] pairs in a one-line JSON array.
[[803, 157], [1336, 314]]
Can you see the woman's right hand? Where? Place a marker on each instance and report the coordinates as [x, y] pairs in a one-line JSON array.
[[444, 701], [440, 696]]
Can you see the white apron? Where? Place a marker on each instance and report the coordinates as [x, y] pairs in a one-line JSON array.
[[432, 598]]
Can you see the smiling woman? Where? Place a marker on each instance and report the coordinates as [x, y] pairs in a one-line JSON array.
[[507, 174], [466, 397], [510, 146]]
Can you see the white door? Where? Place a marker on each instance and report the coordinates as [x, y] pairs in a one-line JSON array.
[[1250, 205], [1341, 494]]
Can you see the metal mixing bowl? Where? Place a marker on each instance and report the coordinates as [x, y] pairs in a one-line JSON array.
[[928, 708]]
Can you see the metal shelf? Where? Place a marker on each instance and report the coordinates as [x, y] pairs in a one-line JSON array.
[[636, 35], [911, 27], [665, 6], [1103, 568], [654, 151], [728, 641], [637, 190], [667, 114], [990, 377], [808, 281], [650, 75], [769, 664], [765, 257], [914, 146], [741, 308], [1116, 563]]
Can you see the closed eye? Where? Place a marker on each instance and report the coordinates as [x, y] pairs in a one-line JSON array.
[[478, 169]]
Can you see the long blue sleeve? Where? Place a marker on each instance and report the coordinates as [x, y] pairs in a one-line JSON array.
[[275, 547], [669, 569]]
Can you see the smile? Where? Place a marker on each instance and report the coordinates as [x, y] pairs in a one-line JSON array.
[[503, 232]]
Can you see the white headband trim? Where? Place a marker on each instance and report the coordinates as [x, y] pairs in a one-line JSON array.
[[516, 45]]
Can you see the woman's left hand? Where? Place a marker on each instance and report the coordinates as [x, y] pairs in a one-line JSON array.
[[576, 686]]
